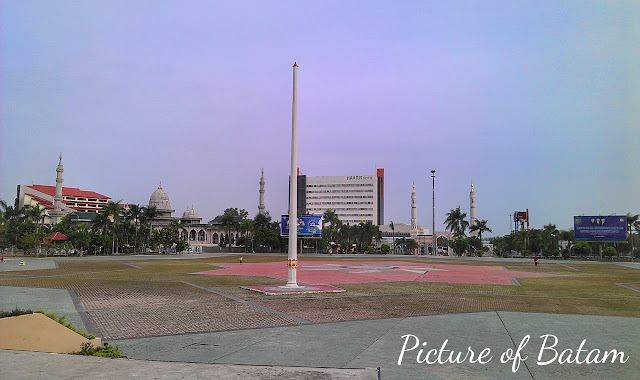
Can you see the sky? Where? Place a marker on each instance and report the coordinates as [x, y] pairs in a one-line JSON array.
[[537, 103]]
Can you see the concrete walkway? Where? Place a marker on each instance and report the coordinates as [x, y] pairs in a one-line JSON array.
[[353, 350], [39, 365], [378, 343]]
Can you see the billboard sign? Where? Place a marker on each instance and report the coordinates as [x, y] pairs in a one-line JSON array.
[[600, 228], [308, 225], [520, 216]]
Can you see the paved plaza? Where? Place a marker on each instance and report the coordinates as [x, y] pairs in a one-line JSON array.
[[159, 309], [360, 272]]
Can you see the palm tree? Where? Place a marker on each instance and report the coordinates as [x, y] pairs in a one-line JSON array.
[[393, 234], [367, 232], [262, 221], [13, 216], [113, 210], [148, 215], [632, 220], [246, 226], [172, 235], [35, 213], [100, 223], [456, 222], [331, 221], [411, 246], [3, 208], [635, 226], [551, 230], [480, 226], [568, 236], [133, 215], [228, 221], [81, 236]]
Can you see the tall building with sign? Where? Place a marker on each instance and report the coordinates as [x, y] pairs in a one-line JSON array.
[[354, 198]]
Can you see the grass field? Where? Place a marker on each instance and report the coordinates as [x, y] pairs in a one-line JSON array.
[[132, 298]]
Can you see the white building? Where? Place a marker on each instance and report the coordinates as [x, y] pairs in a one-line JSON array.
[[354, 198], [192, 229], [414, 231]]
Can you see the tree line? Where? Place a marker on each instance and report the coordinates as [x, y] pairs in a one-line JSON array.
[[116, 230], [549, 241]]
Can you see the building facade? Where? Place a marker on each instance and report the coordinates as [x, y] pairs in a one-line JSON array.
[[59, 201], [354, 198]]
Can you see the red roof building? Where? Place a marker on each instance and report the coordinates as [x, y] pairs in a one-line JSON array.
[[73, 199]]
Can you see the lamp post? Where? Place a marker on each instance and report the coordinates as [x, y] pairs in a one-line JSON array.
[[433, 200]]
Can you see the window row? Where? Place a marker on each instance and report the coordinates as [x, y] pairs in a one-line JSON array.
[[340, 203], [202, 237], [341, 185], [71, 204], [68, 198], [337, 191], [338, 209], [340, 197]]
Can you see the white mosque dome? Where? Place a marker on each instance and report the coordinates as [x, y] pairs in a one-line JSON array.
[[160, 199], [190, 214]]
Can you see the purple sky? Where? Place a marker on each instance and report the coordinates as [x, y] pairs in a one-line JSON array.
[[537, 102]]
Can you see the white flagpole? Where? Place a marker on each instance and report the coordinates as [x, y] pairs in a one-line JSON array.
[[292, 262]]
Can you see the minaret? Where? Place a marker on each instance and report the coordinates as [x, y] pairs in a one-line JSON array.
[[472, 207], [414, 210], [261, 205], [56, 215]]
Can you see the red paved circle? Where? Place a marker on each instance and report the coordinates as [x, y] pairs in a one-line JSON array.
[[344, 272]]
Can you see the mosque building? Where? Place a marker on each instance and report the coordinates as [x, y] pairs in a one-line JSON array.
[[198, 234], [160, 200], [414, 231]]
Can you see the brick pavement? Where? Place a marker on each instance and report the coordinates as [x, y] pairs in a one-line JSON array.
[[136, 322], [125, 301], [345, 272]]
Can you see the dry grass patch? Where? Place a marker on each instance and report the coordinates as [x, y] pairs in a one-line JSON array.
[[145, 297]]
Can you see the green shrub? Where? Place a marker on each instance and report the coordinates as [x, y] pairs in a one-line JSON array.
[[14, 313], [69, 325], [609, 252], [105, 352]]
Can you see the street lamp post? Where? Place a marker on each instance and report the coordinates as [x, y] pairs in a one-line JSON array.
[[433, 200]]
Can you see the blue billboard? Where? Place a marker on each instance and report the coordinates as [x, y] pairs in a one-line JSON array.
[[600, 228], [308, 225]]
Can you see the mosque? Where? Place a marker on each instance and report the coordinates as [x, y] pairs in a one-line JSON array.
[[414, 231], [199, 235], [82, 205], [422, 235]]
